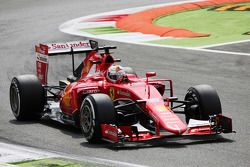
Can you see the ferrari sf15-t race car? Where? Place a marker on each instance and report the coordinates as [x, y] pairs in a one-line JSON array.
[[111, 102]]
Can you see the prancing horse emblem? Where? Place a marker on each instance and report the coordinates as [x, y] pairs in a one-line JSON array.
[[112, 93]]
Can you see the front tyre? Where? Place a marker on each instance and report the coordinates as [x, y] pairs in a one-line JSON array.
[[96, 109], [204, 101], [27, 97]]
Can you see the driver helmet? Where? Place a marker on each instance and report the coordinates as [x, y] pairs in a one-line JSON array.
[[116, 72]]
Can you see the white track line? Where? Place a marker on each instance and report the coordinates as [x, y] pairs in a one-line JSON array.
[[106, 161], [17, 153], [195, 49], [223, 44], [224, 52]]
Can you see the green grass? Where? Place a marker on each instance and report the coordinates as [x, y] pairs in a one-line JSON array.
[[56, 162], [224, 26], [103, 30]]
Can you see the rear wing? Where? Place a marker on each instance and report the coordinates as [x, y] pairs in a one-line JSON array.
[[44, 51]]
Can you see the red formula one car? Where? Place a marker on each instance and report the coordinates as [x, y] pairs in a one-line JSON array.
[[110, 102]]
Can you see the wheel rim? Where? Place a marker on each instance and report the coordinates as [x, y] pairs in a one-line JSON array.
[[14, 100], [86, 119]]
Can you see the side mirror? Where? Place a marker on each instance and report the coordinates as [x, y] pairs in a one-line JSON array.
[[93, 44], [150, 74], [117, 60]]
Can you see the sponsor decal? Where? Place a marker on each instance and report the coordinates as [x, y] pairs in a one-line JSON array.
[[43, 49], [66, 99], [112, 93], [77, 44], [231, 8], [41, 64], [161, 108], [41, 72], [199, 129], [112, 133], [41, 57], [91, 91], [119, 92]]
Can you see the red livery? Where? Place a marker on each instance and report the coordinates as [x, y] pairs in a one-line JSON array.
[[111, 102]]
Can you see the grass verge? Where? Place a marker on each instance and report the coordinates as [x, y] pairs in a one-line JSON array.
[[56, 162], [103, 30], [224, 26]]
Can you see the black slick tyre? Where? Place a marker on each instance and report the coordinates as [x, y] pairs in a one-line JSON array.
[[96, 109], [204, 101], [27, 97]]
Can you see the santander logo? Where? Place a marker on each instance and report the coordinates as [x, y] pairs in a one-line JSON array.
[[77, 44]]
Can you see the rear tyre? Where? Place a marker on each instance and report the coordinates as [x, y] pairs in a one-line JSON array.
[[204, 102], [96, 109], [27, 97]]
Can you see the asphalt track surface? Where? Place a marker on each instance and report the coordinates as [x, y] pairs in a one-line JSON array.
[[25, 23]]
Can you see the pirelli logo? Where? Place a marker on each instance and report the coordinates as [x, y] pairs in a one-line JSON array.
[[236, 7]]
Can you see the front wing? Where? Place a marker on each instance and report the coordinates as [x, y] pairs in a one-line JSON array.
[[215, 125]]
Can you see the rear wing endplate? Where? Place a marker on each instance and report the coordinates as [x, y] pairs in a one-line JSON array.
[[44, 51]]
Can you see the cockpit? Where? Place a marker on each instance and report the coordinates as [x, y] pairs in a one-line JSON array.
[[118, 73]]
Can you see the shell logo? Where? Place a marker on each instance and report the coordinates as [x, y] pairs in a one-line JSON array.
[[161, 108], [66, 99]]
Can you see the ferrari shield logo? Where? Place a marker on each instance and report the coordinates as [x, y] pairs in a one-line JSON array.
[[112, 93]]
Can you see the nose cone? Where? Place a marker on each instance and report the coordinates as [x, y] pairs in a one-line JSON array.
[[174, 124], [168, 120]]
